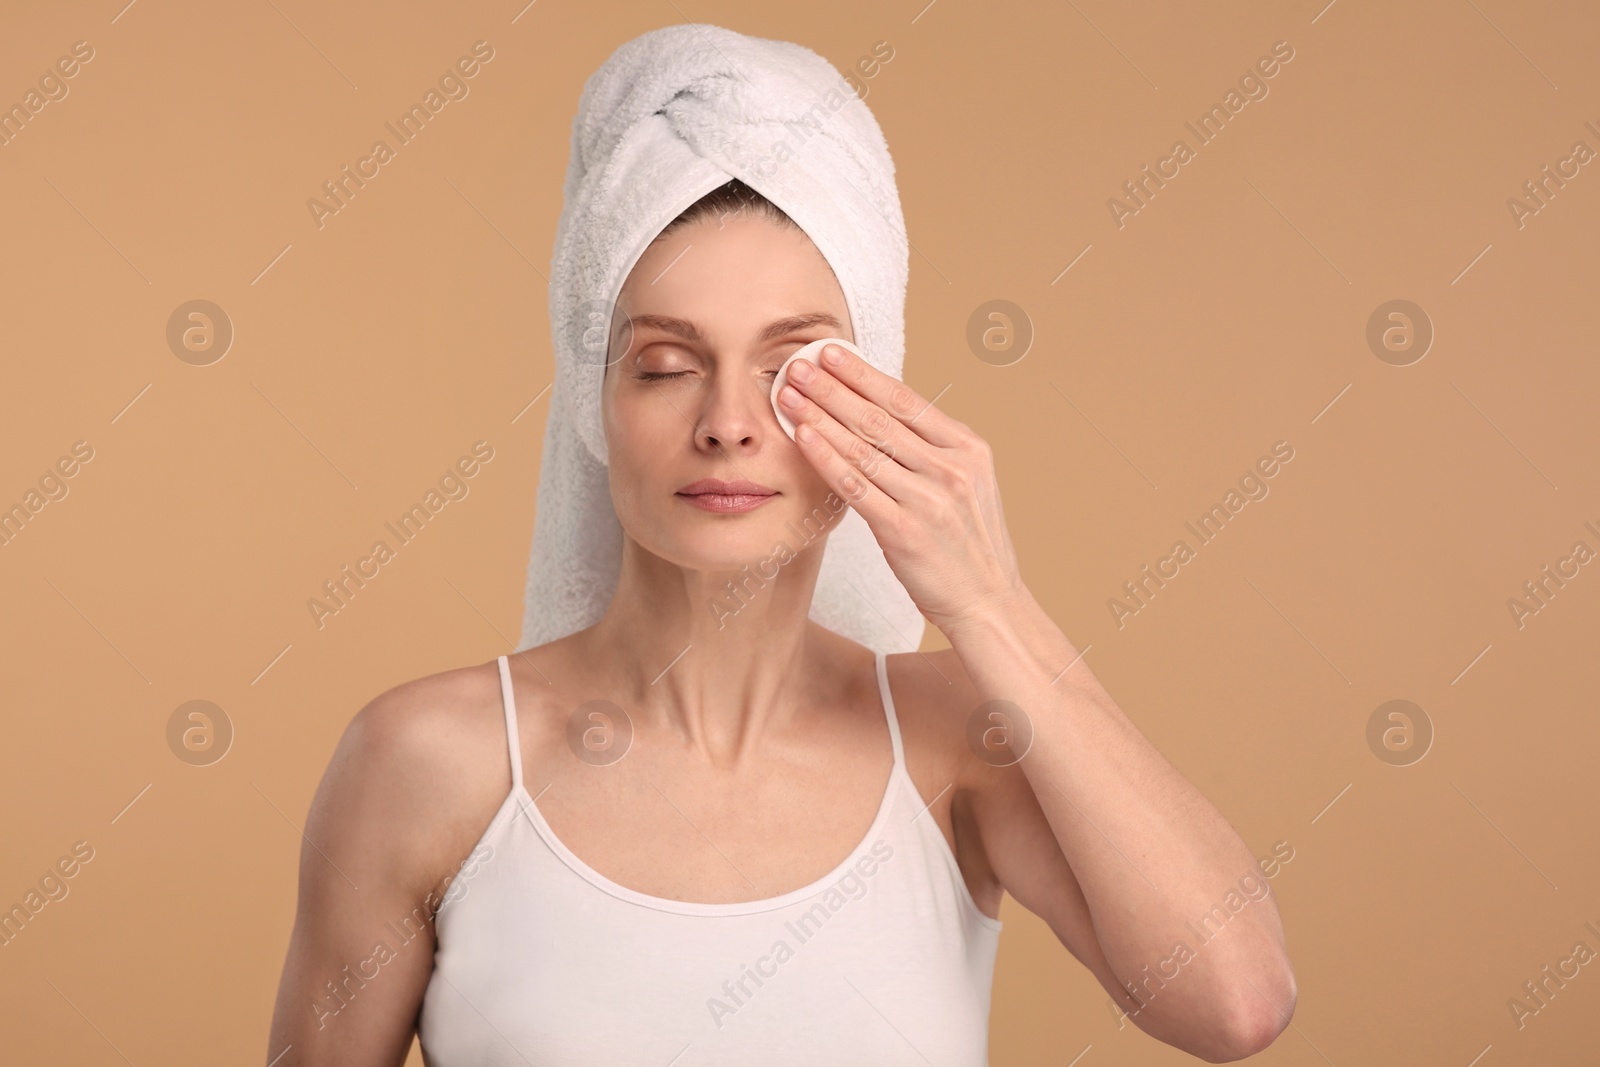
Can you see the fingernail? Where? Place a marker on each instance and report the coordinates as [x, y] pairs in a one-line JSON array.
[[790, 396], [801, 370], [833, 354]]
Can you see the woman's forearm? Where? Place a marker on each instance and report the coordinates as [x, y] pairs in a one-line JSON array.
[[1153, 857]]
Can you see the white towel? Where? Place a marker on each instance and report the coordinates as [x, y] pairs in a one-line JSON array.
[[670, 116]]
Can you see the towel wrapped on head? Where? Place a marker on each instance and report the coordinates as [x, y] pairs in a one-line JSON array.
[[672, 115]]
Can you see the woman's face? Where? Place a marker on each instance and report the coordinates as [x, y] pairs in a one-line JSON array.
[[715, 308]]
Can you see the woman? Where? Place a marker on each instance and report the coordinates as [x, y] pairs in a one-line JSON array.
[[705, 828]]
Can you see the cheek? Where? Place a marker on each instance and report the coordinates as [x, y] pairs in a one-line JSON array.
[[812, 489], [639, 439], [645, 412]]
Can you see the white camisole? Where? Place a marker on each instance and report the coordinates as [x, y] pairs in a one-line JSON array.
[[542, 961]]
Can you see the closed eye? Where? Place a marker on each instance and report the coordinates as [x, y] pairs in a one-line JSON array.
[[655, 376]]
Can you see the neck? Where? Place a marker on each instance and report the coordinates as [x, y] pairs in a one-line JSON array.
[[712, 657]]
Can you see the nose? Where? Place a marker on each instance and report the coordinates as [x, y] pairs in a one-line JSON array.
[[733, 415]]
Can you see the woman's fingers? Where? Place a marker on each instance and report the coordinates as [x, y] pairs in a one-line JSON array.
[[840, 450], [878, 407]]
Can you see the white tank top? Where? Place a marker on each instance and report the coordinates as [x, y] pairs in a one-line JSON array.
[[542, 961]]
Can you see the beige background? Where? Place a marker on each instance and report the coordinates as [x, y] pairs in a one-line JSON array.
[[1228, 314]]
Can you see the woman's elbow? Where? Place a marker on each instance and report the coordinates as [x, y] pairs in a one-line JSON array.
[[1261, 1015]]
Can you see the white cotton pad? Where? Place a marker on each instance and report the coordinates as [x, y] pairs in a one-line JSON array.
[[813, 353]]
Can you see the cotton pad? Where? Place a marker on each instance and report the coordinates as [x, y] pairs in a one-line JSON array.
[[813, 353]]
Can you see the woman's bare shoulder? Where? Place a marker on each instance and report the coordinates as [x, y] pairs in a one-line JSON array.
[[945, 725], [417, 775], [933, 698], [944, 714], [421, 719]]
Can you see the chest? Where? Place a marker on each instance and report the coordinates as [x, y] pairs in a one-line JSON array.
[[670, 827], [569, 974]]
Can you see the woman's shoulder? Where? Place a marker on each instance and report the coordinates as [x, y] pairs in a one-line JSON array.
[[420, 770], [428, 729], [946, 727], [933, 699]]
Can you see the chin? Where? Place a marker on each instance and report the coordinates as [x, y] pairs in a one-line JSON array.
[[702, 540]]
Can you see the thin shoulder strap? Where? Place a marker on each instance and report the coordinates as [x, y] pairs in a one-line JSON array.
[[888, 709], [512, 741]]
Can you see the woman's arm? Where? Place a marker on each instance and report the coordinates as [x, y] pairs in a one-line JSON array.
[[1148, 854], [1178, 905], [351, 986], [1132, 842]]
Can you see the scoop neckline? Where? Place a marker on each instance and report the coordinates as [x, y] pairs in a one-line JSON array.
[[693, 907]]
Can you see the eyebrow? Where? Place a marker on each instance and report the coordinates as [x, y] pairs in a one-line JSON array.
[[690, 332]]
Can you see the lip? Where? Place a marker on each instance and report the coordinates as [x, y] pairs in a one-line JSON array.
[[714, 494]]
